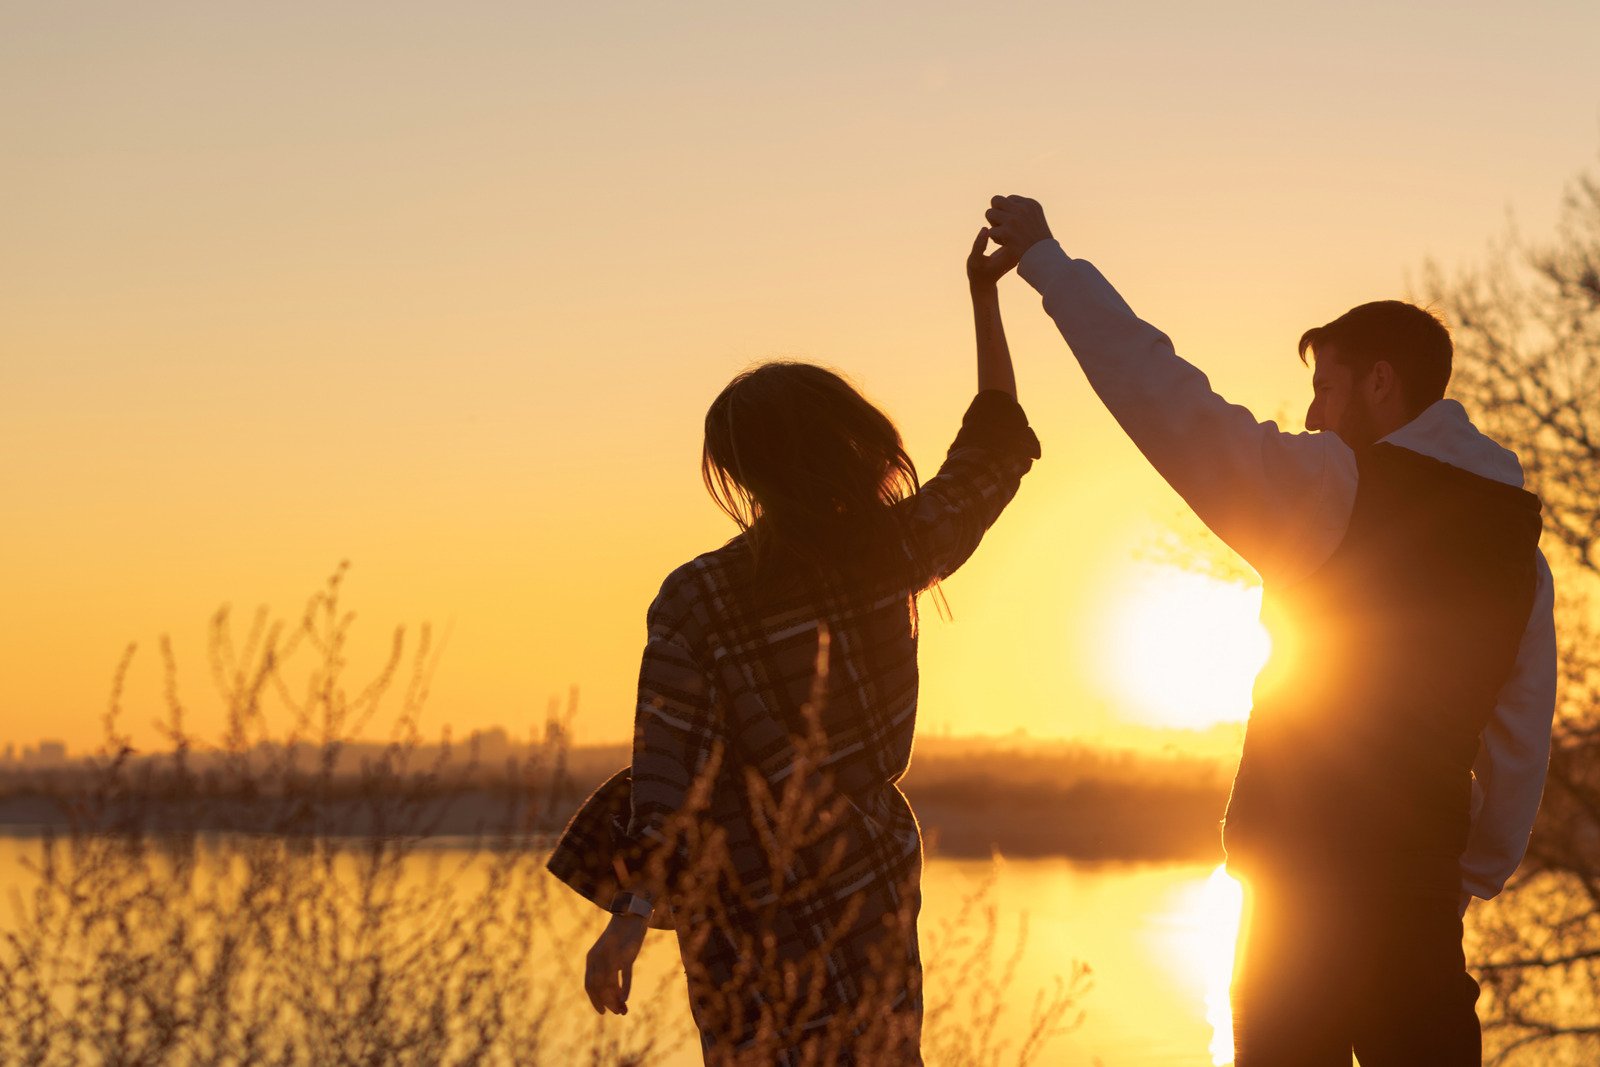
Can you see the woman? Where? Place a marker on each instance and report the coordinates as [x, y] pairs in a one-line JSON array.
[[760, 818]]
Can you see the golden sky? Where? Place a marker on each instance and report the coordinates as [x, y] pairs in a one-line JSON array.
[[445, 290]]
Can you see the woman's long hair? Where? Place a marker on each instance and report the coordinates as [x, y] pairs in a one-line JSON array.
[[811, 471]]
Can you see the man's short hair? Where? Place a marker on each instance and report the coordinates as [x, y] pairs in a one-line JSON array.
[[1411, 340]]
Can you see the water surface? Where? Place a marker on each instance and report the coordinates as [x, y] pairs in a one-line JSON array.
[[1158, 938]]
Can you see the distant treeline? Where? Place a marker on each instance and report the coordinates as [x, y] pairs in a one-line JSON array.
[[1038, 799], [1032, 797], [1018, 796]]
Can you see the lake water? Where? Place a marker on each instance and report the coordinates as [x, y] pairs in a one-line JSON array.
[[1158, 939]]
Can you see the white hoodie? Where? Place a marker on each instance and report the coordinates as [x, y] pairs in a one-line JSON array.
[[1283, 501]]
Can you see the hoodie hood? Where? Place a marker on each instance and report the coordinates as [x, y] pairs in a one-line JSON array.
[[1444, 432]]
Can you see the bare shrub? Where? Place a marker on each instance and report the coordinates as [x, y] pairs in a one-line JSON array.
[[296, 896], [1527, 335]]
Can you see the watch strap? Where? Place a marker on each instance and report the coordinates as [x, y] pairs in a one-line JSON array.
[[631, 904]]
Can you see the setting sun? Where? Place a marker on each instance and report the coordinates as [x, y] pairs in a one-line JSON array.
[[1182, 649]]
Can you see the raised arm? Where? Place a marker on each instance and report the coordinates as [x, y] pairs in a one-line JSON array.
[[1282, 500], [983, 276], [994, 449]]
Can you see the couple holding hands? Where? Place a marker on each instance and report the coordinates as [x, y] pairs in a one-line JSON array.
[[1396, 747]]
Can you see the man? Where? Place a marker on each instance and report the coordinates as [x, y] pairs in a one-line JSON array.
[[1397, 745]]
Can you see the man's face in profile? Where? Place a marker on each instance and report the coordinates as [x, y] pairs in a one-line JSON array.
[[1336, 403]]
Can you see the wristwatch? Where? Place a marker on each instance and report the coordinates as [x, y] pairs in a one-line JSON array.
[[631, 904]]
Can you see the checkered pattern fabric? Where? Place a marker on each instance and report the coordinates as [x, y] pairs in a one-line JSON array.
[[768, 744]]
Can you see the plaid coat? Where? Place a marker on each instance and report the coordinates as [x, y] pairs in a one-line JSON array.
[[762, 797]]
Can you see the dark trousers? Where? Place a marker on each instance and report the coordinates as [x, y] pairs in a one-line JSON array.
[[1323, 972]]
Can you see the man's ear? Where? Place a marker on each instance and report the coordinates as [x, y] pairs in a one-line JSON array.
[[1382, 383]]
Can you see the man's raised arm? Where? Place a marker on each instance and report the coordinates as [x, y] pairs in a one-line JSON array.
[[1281, 500]]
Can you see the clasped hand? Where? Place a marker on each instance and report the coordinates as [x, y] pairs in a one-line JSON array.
[[1016, 224]]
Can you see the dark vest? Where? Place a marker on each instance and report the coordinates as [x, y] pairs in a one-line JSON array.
[[1385, 664]]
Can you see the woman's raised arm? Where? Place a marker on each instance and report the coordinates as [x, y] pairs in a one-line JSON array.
[[983, 275], [995, 448]]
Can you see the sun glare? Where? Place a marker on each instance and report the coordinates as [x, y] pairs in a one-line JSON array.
[[1184, 648]]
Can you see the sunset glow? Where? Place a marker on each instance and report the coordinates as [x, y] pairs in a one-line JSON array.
[[450, 300], [1183, 649], [373, 378]]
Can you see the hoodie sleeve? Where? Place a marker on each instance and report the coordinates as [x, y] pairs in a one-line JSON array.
[[1281, 500], [1508, 776]]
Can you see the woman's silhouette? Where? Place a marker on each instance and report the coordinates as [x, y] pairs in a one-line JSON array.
[[760, 817]]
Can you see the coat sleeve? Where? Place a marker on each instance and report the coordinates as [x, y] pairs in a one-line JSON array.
[[1508, 775], [1281, 500], [949, 515], [613, 841], [594, 857], [678, 733]]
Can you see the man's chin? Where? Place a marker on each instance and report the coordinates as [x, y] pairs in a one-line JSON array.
[[1357, 433]]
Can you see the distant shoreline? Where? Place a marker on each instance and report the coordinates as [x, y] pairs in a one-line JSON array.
[[1074, 802]]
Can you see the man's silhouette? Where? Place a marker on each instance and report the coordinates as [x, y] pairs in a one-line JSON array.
[[1397, 745]]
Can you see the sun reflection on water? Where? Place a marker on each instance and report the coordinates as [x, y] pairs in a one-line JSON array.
[[1223, 899], [1205, 926]]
